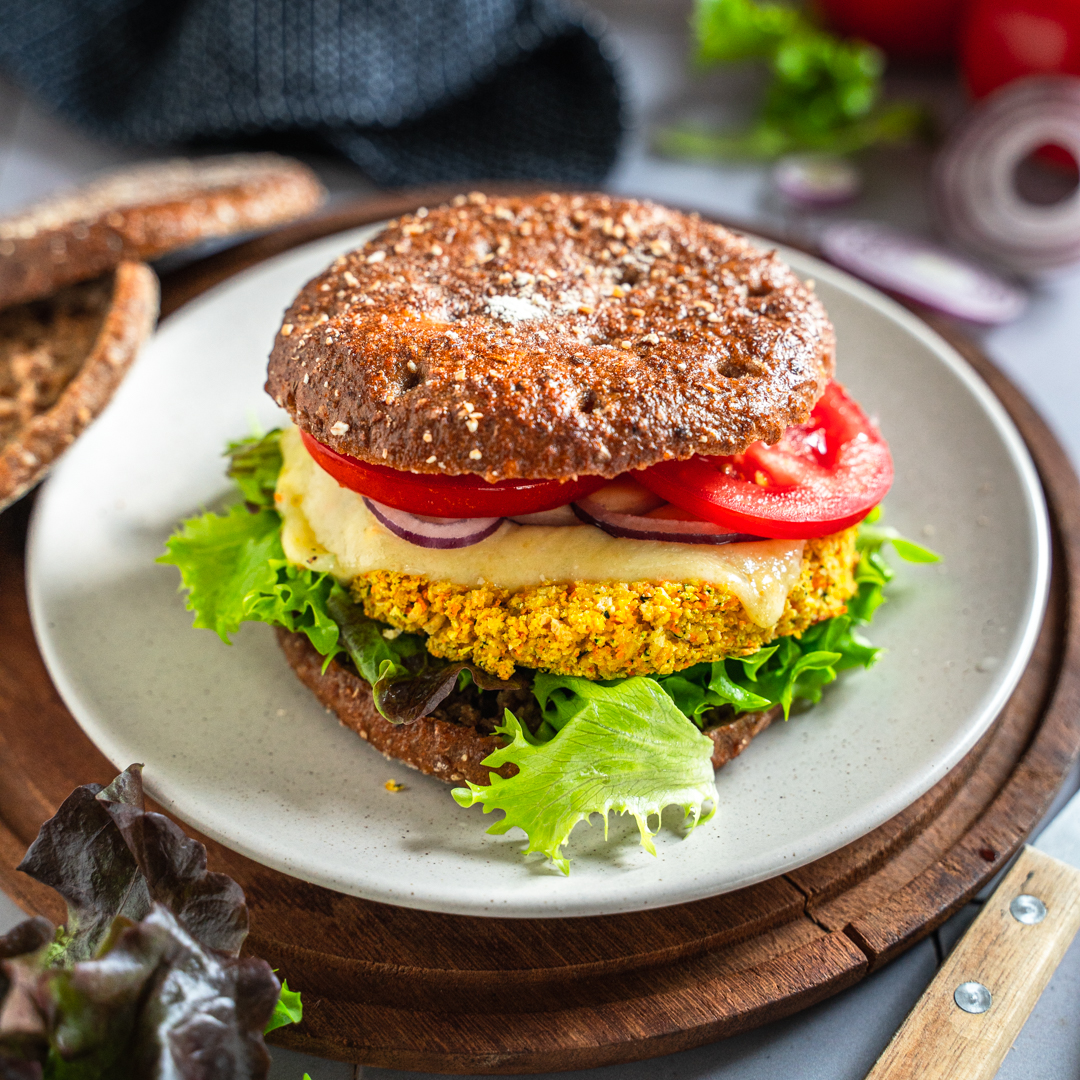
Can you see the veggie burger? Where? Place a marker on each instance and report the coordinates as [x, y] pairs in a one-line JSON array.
[[569, 509]]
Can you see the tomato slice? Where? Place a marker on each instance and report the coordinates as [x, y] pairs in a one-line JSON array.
[[435, 495], [821, 477]]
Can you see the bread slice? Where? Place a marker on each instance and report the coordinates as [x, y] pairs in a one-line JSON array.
[[145, 211], [60, 361], [451, 751]]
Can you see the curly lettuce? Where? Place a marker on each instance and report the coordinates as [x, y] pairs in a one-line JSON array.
[[235, 570], [620, 747]]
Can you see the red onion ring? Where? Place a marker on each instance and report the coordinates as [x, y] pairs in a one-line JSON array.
[[922, 271], [974, 187], [439, 533], [637, 527]]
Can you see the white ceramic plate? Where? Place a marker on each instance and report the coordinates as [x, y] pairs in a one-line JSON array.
[[237, 747]]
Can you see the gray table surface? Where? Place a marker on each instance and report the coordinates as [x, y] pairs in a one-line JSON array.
[[841, 1038]]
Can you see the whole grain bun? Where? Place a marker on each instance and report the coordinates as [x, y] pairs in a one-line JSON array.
[[548, 337], [451, 751], [60, 361], [145, 211]]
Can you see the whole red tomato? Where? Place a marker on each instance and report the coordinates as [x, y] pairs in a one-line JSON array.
[[1002, 40], [906, 29]]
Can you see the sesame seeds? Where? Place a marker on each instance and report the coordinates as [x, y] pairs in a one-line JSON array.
[[341, 428], [376, 257], [427, 436], [351, 279], [475, 455], [287, 329]]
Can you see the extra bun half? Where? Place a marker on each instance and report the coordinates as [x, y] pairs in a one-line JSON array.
[[61, 359], [145, 211], [550, 337], [452, 751]]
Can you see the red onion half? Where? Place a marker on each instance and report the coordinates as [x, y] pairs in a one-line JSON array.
[[974, 183], [638, 527], [433, 533]]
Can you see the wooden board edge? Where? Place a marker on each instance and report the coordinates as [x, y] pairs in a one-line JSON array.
[[583, 1038]]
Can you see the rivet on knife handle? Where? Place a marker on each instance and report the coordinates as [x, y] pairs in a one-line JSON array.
[[971, 1013]]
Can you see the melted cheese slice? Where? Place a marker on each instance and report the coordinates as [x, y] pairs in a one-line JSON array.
[[328, 527]]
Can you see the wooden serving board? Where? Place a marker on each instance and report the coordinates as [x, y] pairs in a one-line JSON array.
[[410, 989]]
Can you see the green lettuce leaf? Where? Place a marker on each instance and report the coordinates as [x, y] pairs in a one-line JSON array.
[[622, 748], [377, 656], [873, 572], [288, 1010], [254, 464], [235, 571]]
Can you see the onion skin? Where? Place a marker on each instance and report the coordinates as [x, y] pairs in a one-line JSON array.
[[455, 533], [665, 530]]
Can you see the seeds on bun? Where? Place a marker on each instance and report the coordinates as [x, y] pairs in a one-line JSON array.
[[550, 337]]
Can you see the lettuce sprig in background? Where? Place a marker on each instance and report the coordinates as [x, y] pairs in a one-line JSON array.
[[824, 92]]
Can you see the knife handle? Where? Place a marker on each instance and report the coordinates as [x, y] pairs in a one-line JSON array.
[[1012, 959]]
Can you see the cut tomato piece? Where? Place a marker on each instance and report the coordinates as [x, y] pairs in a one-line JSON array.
[[448, 496], [821, 477]]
